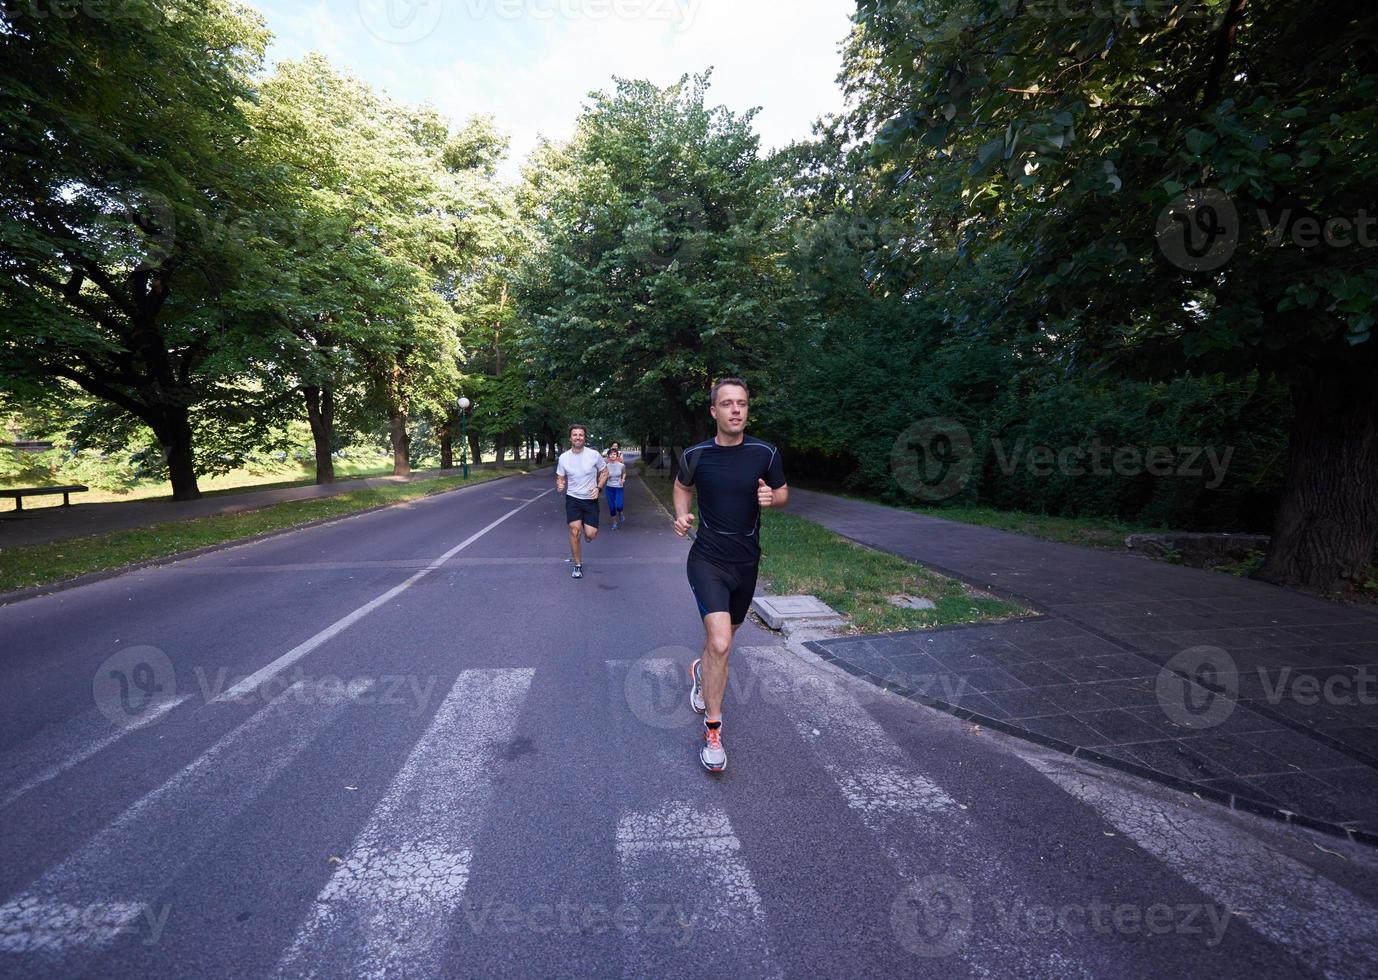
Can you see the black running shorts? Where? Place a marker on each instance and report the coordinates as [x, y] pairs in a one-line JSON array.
[[722, 588], [578, 509]]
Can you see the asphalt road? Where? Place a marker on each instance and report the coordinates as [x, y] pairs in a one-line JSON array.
[[408, 744]]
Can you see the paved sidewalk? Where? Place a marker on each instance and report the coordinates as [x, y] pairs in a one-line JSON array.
[[45, 524], [1256, 696]]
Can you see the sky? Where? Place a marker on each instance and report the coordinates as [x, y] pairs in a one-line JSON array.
[[530, 63]]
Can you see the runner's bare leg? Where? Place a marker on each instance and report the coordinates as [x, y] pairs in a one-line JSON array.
[[717, 647]]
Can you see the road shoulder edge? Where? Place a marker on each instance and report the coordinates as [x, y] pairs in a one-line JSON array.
[[90, 578]]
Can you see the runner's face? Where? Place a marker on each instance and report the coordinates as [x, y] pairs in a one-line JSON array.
[[730, 409], [576, 438]]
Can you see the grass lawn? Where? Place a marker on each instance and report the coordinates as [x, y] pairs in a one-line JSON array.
[[801, 557], [1092, 532], [266, 477], [45, 564], [252, 478]]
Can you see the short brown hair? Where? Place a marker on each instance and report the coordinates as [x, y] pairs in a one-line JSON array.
[[580, 425], [718, 385]]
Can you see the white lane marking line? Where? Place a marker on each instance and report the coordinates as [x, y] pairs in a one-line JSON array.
[[386, 909], [59, 742], [696, 848], [251, 682], [1321, 923], [159, 835]]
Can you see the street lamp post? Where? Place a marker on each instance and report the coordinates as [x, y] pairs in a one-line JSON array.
[[464, 404]]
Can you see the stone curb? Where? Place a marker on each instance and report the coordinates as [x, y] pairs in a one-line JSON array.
[[802, 641]]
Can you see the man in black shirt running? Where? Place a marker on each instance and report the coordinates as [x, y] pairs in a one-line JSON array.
[[735, 475]]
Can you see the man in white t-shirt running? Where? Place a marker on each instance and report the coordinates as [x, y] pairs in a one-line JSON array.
[[580, 475]]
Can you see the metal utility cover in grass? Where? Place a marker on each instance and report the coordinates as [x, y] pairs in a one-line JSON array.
[[910, 602], [777, 610]]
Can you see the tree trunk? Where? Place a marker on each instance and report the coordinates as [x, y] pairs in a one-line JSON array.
[[475, 445], [447, 451], [499, 448], [320, 410], [517, 449], [174, 435], [1327, 519], [401, 444]]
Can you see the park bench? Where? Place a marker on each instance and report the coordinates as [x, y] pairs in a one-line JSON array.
[[19, 493]]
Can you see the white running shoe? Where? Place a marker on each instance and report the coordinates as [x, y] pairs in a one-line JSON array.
[[713, 755], [696, 688]]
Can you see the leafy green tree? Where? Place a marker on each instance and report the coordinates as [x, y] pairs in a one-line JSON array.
[[656, 259], [395, 217], [130, 202], [1157, 169]]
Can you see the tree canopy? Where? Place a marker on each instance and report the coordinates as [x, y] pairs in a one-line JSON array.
[[1058, 225]]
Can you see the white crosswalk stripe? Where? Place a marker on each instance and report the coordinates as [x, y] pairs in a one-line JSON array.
[[902, 809], [691, 850], [52, 752], [690, 895], [69, 911], [1319, 921], [387, 909]]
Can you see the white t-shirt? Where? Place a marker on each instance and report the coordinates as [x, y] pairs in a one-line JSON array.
[[580, 471], [617, 472]]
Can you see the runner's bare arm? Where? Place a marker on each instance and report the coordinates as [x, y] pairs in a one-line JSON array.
[[767, 497], [684, 502]]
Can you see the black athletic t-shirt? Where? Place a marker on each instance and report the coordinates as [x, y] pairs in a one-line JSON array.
[[725, 477]]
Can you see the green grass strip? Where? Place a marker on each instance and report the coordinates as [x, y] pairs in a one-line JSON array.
[[801, 557], [56, 561], [805, 558], [1091, 532]]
